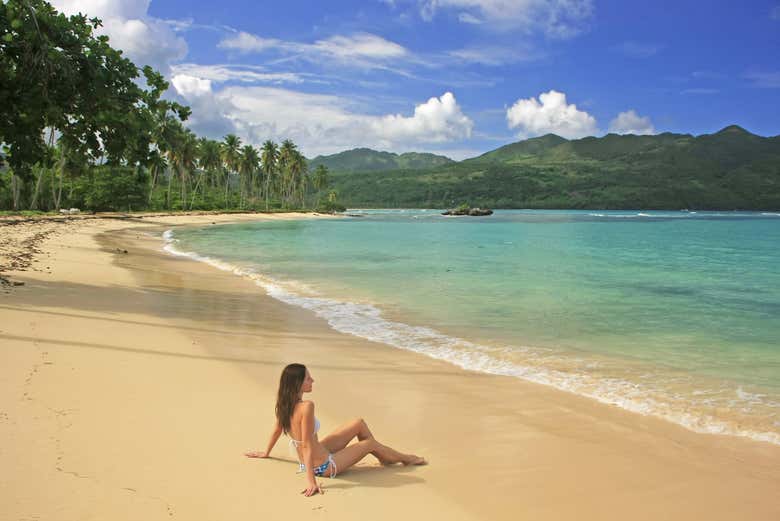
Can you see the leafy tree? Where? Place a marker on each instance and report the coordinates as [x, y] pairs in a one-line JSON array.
[[56, 74], [320, 179], [231, 154], [209, 159], [248, 165], [269, 158]]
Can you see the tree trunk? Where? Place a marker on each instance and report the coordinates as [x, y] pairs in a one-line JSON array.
[[15, 190], [168, 195], [155, 171], [58, 199], [195, 191], [266, 183], [227, 186], [34, 201]]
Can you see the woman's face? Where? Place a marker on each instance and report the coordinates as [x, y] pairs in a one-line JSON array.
[[307, 382]]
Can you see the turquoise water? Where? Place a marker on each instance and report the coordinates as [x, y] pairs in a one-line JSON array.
[[675, 314]]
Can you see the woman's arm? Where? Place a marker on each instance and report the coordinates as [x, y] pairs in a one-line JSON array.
[[271, 442], [307, 439]]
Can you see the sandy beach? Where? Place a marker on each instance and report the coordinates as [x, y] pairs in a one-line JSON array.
[[132, 381]]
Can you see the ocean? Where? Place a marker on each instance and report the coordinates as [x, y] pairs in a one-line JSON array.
[[670, 314]]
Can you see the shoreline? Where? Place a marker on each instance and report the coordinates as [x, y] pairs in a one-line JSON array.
[[369, 320], [149, 372]]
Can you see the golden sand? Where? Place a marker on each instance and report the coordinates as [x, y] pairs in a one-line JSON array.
[[131, 384]]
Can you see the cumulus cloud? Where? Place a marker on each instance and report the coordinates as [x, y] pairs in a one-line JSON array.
[[144, 39], [629, 122], [555, 18], [550, 114], [437, 120], [318, 123], [191, 86]]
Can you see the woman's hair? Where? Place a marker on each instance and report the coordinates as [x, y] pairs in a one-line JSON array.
[[289, 388]]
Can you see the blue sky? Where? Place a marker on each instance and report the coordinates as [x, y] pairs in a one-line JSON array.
[[458, 77]]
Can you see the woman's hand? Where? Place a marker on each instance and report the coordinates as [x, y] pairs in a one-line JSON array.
[[313, 489], [256, 454]]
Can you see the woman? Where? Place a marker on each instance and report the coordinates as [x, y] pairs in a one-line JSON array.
[[331, 455]]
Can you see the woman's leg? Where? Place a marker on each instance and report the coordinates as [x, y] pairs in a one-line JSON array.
[[341, 437], [350, 455]]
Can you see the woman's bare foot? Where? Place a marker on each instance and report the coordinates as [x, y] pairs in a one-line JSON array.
[[416, 460]]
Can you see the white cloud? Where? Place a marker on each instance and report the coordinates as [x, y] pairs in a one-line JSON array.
[[555, 18], [247, 43], [437, 120], [774, 14], [495, 55], [232, 72], [550, 114], [191, 86], [360, 48], [104, 8], [318, 123], [144, 39], [361, 45], [629, 122]]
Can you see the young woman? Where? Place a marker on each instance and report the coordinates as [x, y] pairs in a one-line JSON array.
[[331, 455]]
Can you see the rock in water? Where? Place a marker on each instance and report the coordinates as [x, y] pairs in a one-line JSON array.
[[474, 212]]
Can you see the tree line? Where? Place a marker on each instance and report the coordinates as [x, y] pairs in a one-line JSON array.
[[83, 126]]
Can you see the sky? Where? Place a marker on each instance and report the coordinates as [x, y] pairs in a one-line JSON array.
[[454, 77]]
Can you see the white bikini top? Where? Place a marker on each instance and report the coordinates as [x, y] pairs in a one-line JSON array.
[[316, 430]]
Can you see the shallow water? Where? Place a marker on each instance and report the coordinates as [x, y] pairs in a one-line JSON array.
[[674, 314]]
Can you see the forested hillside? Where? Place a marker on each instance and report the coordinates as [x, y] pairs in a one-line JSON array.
[[731, 169], [366, 160]]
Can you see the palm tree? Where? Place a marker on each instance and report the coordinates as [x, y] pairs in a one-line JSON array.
[[270, 158], [184, 155], [156, 165], [231, 154], [209, 159], [247, 168], [320, 178], [167, 137], [287, 153], [298, 177]]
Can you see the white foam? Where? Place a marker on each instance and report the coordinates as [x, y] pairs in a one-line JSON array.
[[366, 321]]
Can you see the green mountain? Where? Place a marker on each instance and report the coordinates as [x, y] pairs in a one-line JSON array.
[[522, 149], [367, 160], [730, 169]]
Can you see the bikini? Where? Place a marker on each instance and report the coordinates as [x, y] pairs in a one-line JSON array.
[[319, 470]]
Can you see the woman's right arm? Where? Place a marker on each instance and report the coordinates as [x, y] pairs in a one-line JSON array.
[[271, 442]]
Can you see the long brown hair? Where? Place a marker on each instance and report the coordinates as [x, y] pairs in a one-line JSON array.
[[290, 385]]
